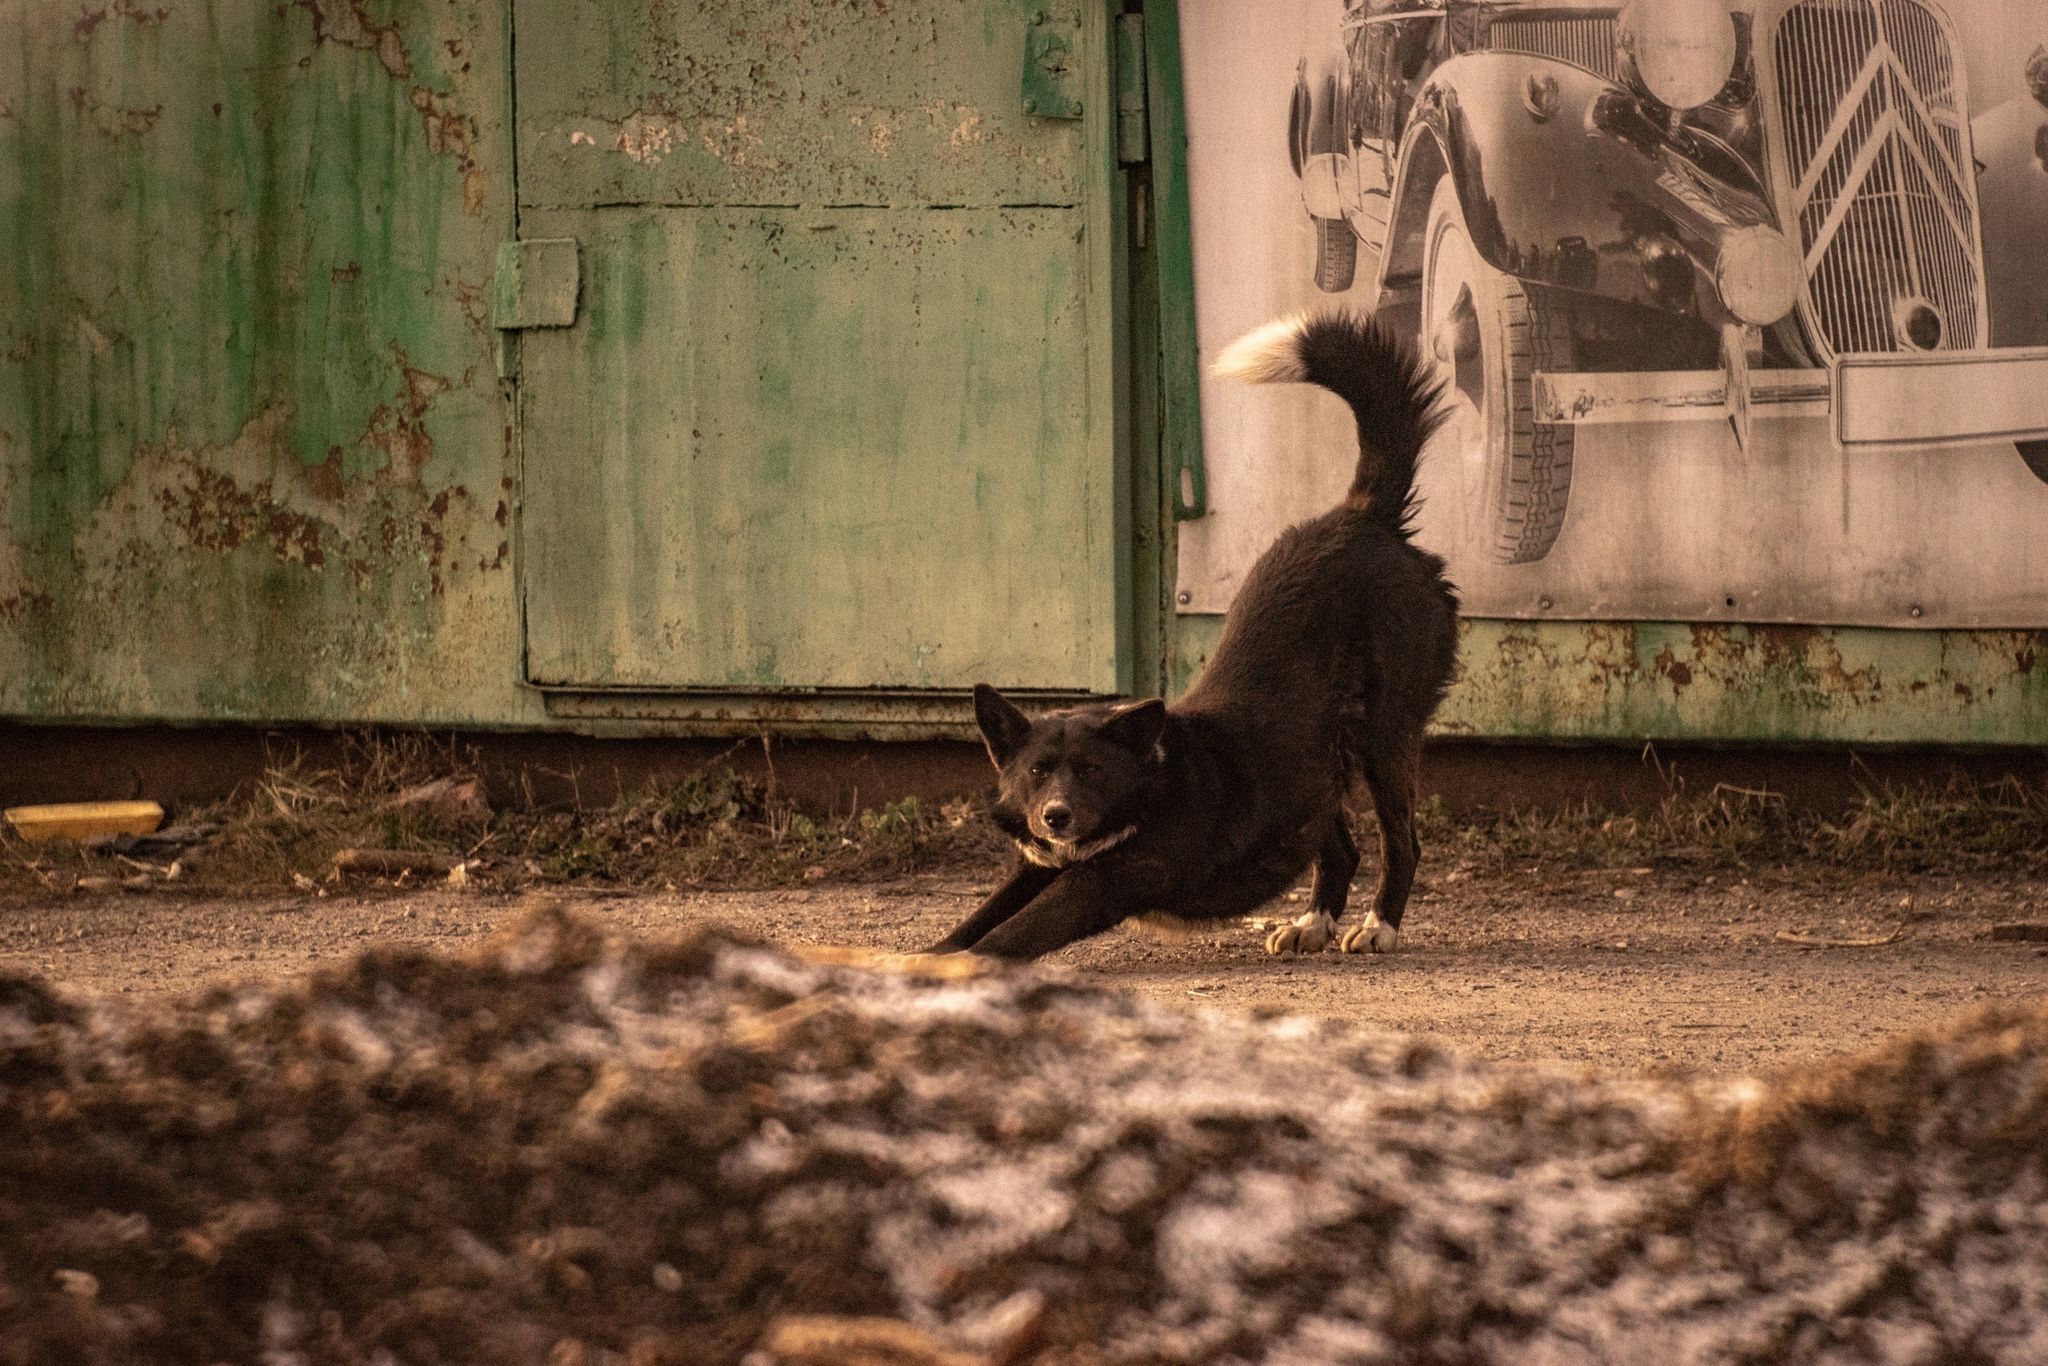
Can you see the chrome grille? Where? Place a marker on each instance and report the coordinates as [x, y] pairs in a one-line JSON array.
[[1583, 40], [1872, 163]]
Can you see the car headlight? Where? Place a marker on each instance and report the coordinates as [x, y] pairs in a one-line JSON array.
[[1683, 51]]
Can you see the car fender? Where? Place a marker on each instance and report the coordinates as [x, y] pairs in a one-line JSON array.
[[1598, 196], [1317, 145]]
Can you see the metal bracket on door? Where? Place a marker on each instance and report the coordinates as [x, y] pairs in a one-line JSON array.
[[536, 285], [1052, 68]]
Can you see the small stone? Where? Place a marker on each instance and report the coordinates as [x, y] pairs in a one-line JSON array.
[[82, 1284], [667, 1278]]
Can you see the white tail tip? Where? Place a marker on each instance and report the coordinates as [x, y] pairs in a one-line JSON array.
[[1266, 355]]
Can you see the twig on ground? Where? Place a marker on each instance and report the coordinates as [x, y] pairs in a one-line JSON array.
[[944, 967], [1903, 932], [43, 877], [384, 862]]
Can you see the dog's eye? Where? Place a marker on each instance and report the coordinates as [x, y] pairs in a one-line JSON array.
[[1040, 769]]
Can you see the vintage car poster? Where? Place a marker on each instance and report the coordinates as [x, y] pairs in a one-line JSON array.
[[1742, 305]]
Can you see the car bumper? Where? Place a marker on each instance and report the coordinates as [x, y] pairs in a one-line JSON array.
[[1873, 401]]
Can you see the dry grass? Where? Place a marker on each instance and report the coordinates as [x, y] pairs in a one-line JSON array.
[[715, 828], [1908, 828], [720, 829], [296, 815]]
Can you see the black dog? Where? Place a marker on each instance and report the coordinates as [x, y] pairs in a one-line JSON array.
[[1338, 648]]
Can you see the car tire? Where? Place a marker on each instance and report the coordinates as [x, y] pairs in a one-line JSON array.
[[2035, 453], [1489, 334], [1336, 255]]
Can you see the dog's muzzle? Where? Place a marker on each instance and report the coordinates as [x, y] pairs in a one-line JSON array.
[[1048, 853]]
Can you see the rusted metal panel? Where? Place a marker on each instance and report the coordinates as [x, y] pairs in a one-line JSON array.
[[1777, 683], [254, 460], [1679, 681], [844, 449], [856, 445]]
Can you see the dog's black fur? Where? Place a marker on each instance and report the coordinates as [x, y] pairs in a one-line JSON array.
[[1339, 646]]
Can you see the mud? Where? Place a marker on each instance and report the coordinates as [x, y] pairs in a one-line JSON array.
[[1669, 969], [570, 1146]]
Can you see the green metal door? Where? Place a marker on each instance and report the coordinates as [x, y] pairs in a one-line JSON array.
[[837, 406]]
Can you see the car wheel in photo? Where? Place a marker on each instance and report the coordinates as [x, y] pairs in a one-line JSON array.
[[1336, 255], [1489, 334]]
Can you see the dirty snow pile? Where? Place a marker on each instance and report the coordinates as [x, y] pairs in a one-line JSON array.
[[571, 1149]]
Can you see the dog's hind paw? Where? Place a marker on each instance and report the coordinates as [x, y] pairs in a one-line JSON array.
[[1310, 933], [1374, 936]]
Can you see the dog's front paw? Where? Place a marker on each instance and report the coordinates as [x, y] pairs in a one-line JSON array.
[[1374, 936], [1310, 933]]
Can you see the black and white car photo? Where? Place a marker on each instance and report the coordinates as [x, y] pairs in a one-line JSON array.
[[1682, 211]]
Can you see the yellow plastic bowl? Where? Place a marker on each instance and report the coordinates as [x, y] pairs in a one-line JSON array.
[[81, 820]]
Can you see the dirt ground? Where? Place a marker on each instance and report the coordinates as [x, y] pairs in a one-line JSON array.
[[1658, 970]]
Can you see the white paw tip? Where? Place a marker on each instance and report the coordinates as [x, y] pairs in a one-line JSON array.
[[1310, 933], [1374, 936]]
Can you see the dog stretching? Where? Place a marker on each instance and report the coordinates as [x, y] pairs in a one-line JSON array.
[[1336, 651]]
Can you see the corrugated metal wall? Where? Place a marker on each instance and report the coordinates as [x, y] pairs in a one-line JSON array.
[[257, 462]]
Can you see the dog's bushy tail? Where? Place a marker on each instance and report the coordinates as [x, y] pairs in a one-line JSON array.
[[1391, 392]]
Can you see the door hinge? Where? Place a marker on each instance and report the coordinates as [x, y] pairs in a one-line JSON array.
[[1133, 134], [1052, 68], [536, 284]]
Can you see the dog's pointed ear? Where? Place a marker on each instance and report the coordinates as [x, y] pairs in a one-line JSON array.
[[1137, 726], [1003, 727]]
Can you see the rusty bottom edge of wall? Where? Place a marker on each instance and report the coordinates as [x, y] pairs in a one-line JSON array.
[[185, 767]]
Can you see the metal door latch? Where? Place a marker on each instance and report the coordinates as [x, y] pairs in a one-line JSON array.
[[536, 284]]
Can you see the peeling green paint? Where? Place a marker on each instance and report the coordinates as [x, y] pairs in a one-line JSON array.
[[771, 104], [253, 456]]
